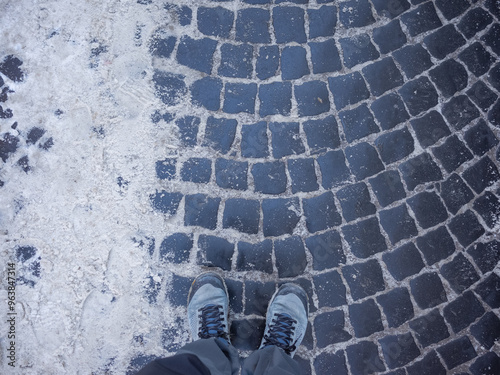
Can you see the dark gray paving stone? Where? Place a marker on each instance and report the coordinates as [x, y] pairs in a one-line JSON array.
[[236, 60], [288, 23], [322, 134], [420, 170], [242, 215], [398, 224], [392, 9], [325, 57], [460, 273], [493, 7], [492, 38], [280, 216], [355, 201], [275, 99], [257, 296], [397, 306], [388, 187], [463, 311], [488, 206], [482, 95], [312, 98], [178, 290], [162, 47], [231, 174], [235, 291], [216, 21], [364, 358], [481, 175], [176, 247], [255, 257], [382, 76], [364, 238], [428, 291], [290, 257], [444, 41], [170, 88], [267, 62], [430, 329], [321, 212], [455, 193], [406, 350], [348, 89], [474, 21], [328, 363], [252, 25], [429, 365], [166, 202], [215, 252], [322, 21], [422, 19], [389, 111], [358, 49], [436, 245], [450, 77], [24, 164], [489, 290], [395, 145], [330, 289], [430, 128], [25, 253], [413, 59], [355, 13], [419, 95], [487, 330], [201, 210], [494, 76], [452, 8], [294, 63], [188, 130], [206, 93], [334, 170], [10, 66], [452, 153], [457, 352], [494, 114], [303, 175], [254, 142], [246, 334], [477, 59], [34, 135], [428, 209], [329, 328], [166, 169], [8, 145], [285, 137], [389, 37], [365, 318], [364, 279], [485, 255], [397, 372], [219, 133], [488, 364], [239, 97], [404, 261], [363, 160], [196, 54], [326, 250]]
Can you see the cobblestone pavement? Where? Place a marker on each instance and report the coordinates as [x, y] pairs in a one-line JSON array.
[[348, 146], [352, 147]]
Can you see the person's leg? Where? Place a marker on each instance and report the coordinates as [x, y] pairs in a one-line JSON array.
[[211, 352], [286, 324]]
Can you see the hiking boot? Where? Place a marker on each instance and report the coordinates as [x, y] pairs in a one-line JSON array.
[[208, 307], [286, 320]]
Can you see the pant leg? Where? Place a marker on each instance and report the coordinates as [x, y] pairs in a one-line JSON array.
[[270, 361], [200, 357]]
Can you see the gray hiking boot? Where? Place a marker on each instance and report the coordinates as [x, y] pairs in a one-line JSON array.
[[286, 320], [208, 307]]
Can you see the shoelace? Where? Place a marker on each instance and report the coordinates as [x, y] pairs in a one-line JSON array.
[[280, 333], [211, 322]]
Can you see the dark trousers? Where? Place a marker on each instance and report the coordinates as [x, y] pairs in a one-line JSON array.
[[217, 357]]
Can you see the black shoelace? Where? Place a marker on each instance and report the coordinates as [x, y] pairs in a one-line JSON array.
[[280, 333], [211, 325]]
